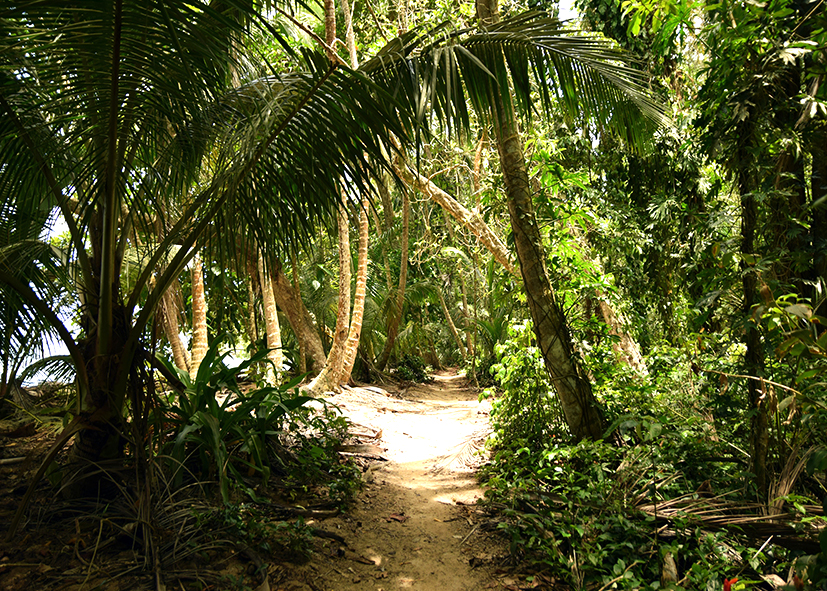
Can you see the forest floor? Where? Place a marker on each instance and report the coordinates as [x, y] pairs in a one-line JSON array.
[[413, 525]]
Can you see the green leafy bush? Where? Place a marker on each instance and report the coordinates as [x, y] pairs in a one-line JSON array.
[[526, 412], [411, 368], [217, 428]]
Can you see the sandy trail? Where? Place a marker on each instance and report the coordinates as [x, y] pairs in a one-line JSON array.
[[414, 525]]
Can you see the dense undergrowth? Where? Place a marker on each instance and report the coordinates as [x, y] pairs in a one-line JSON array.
[[666, 500], [229, 467]]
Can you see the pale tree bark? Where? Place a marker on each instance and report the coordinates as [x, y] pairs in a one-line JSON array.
[[397, 306], [469, 219], [275, 355], [626, 347], [328, 378], [250, 323], [288, 299], [294, 267], [330, 28], [387, 210], [199, 316], [478, 164], [580, 408], [355, 333], [451, 326], [171, 306]]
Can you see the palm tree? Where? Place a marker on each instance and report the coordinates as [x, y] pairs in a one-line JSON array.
[[109, 110], [442, 72]]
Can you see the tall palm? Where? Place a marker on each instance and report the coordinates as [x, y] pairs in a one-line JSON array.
[[110, 108], [444, 72]]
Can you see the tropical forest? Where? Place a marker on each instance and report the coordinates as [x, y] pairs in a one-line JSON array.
[[442, 295]]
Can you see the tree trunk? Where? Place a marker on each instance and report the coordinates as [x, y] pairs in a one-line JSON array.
[[582, 411], [451, 326], [199, 316], [463, 286], [470, 220], [294, 268], [355, 333], [754, 357], [396, 312], [328, 378], [290, 302], [170, 312], [271, 322]]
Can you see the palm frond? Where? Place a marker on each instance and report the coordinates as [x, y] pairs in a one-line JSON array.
[[587, 78]]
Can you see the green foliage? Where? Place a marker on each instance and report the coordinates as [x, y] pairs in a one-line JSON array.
[[803, 344], [412, 368], [219, 426], [526, 413], [252, 526], [315, 436], [571, 510]]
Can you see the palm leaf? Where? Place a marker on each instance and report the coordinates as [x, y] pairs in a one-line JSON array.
[[588, 78]]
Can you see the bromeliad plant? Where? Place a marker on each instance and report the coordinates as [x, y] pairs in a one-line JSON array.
[[221, 428]]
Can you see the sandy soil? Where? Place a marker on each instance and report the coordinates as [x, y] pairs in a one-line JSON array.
[[415, 524]]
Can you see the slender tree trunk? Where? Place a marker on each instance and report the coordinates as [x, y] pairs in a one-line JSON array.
[[294, 268], [289, 301], [170, 312], [328, 378], [250, 324], [271, 322], [451, 326], [754, 357], [396, 312], [466, 310], [199, 316], [355, 333], [582, 411], [387, 211], [469, 219], [330, 28]]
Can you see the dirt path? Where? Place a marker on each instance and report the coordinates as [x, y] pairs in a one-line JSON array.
[[414, 525]]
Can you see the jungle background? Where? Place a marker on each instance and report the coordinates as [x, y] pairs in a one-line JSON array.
[[615, 225]]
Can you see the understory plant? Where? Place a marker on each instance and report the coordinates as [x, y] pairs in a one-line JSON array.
[[214, 428], [602, 514]]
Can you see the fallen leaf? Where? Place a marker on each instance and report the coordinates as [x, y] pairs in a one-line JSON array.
[[397, 517]]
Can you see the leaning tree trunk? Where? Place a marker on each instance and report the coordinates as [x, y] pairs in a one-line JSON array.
[[469, 219], [355, 333], [289, 300], [328, 378], [171, 306], [199, 317], [581, 409], [275, 357]]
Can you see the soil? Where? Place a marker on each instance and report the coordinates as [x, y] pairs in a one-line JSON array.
[[414, 524], [416, 521]]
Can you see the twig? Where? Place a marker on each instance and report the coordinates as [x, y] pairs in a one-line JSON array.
[[94, 553], [617, 578], [470, 533], [9, 461], [764, 545], [756, 378], [312, 35]]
